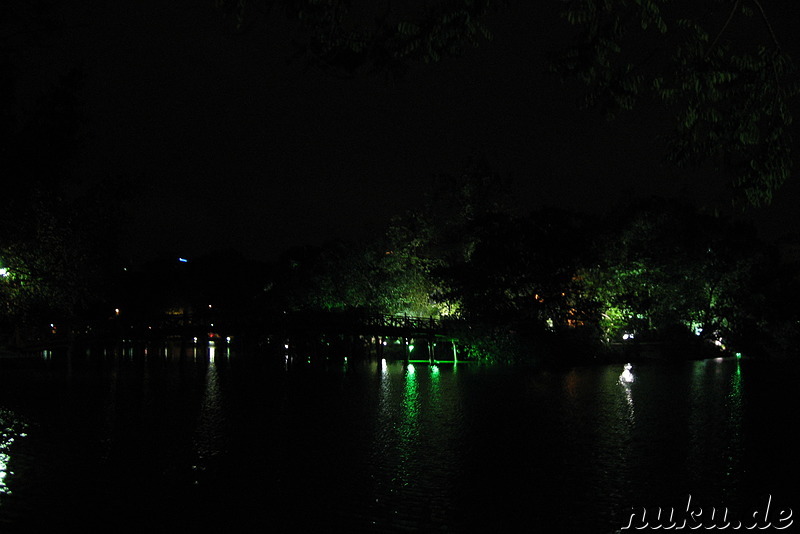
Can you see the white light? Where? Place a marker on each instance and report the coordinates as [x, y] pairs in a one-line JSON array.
[[626, 377], [626, 336], [228, 339], [3, 271]]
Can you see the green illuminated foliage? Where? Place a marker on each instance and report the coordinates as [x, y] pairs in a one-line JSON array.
[[667, 266], [361, 276], [56, 251], [56, 263]]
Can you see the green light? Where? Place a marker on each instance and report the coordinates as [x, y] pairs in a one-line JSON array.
[[738, 354], [410, 348], [408, 430]]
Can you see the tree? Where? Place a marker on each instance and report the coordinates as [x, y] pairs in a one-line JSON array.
[[665, 266], [57, 246], [716, 66], [350, 38], [58, 258]]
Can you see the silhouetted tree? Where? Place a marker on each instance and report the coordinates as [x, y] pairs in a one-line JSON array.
[[716, 66]]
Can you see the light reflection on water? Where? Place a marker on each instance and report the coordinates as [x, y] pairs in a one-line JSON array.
[[385, 445], [735, 446], [211, 431], [627, 379], [11, 430]]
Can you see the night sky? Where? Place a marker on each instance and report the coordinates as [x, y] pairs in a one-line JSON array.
[[226, 141]]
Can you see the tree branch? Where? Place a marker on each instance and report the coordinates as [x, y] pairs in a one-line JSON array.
[[767, 23], [724, 27]]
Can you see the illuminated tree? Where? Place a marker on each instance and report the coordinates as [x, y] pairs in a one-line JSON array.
[[346, 276], [56, 252], [57, 262], [666, 265], [523, 273]]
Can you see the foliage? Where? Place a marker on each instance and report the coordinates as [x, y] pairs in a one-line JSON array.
[[729, 95], [347, 37], [56, 243], [56, 259], [355, 276], [522, 273], [405, 270], [664, 265]]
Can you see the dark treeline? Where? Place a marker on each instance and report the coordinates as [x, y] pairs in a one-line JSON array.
[[656, 275], [546, 284]]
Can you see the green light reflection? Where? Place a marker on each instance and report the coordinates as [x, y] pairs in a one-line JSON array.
[[735, 448], [408, 431]]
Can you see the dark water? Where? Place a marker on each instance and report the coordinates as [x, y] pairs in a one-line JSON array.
[[191, 441]]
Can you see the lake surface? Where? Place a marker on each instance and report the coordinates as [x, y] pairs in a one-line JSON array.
[[206, 439]]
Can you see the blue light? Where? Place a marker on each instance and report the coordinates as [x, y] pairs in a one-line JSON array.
[[183, 260]]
